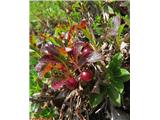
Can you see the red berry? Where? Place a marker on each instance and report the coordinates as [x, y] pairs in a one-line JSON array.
[[71, 83], [86, 51], [86, 75]]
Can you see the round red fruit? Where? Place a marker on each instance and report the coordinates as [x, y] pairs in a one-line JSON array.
[[71, 83], [86, 50], [86, 75]]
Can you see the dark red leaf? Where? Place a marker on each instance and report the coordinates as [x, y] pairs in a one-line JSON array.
[[50, 49], [42, 62], [71, 83], [48, 67], [77, 47], [44, 65], [56, 85]]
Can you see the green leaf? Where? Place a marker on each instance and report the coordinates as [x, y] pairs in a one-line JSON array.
[[33, 61], [98, 19], [117, 76], [34, 107], [123, 76], [76, 16], [34, 86], [114, 95], [115, 72], [110, 10], [95, 99], [118, 38], [54, 42], [116, 60], [118, 85], [47, 75], [126, 19], [87, 33], [115, 63], [47, 112], [103, 88], [124, 72], [34, 58]]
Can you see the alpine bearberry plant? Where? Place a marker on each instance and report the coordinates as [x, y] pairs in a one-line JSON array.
[[79, 59]]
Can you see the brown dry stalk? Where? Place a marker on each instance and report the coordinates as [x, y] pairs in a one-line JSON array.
[[78, 109]]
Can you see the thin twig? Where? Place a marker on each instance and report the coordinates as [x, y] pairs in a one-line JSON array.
[[78, 109]]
